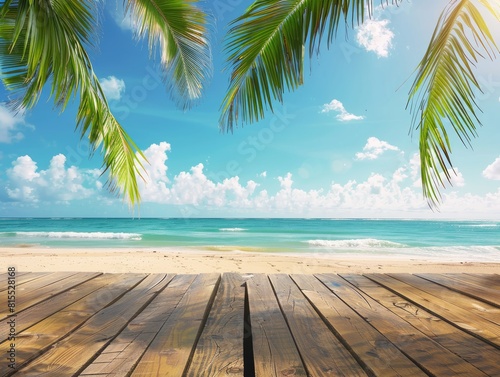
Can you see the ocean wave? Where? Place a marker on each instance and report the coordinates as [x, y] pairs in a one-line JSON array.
[[83, 235], [355, 243], [232, 229], [492, 225]]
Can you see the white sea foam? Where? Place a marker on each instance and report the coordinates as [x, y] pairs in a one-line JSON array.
[[232, 229], [492, 225], [355, 243], [82, 235]]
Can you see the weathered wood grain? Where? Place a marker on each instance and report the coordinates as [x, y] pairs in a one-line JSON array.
[[274, 351], [441, 307], [475, 351], [374, 351], [219, 351], [323, 354], [21, 278], [72, 354], [170, 352], [46, 308], [485, 291], [426, 353], [122, 355], [35, 340], [116, 325], [35, 291]]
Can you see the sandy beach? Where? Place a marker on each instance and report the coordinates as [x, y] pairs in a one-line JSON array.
[[199, 261]]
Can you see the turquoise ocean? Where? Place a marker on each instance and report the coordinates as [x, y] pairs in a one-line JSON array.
[[445, 240]]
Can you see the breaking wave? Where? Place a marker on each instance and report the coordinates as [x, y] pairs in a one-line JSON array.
[[363, 243], [82, 235]]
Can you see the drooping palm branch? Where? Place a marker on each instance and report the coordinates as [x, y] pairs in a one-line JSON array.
[[266, 52], [177, 29], [443, 93], [43, 42]]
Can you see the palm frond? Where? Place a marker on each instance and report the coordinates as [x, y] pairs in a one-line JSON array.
[[177, 29], [43, 42], [266, 48], [443, 93]]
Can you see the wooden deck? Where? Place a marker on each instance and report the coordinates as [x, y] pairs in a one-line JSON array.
[[92, 324]]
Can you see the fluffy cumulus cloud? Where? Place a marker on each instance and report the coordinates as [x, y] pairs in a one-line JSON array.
[[382, 195], [342, 114], [492, 171], [456, 177], [376, 36], [188, 188], [374, 148], [194, 188], [57, 183], [112, 87], [153, 185], [11, 125]]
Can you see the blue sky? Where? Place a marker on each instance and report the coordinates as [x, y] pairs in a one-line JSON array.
[[338, 147]]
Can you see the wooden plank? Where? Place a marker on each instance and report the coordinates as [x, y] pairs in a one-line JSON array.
[[81, 346], [122, 354], [482, 355], [30, 294], [430, 356], [44, 309], [169, 353], [30, 286], [322, 353], [467, 287], [274, 351], [440, 307], [21, 278], [219, 351], [38, 338], [374, 351], [480, 308], [484, 280]]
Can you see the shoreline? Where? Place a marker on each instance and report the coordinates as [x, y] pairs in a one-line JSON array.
[[194, 261]]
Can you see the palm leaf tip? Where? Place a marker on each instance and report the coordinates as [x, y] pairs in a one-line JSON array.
[[30, 59], [177, 29], [266, 49], [443, 93]]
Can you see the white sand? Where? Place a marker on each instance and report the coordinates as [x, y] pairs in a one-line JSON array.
[[182, 261]]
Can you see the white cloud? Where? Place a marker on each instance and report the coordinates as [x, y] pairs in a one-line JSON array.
[[57, 183], [194, 188], [189, 188], [375, 35], [343, 115], [374, 149], [124, 21], [415, 166], [112, 87], [10, 125], [378, 195], [153, 187], [263, 174], [456, 177], [492, 171]]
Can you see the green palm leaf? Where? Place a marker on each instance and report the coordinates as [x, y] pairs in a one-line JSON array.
[[443, 93], [177, 28], [43, 42], [266, 48]]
